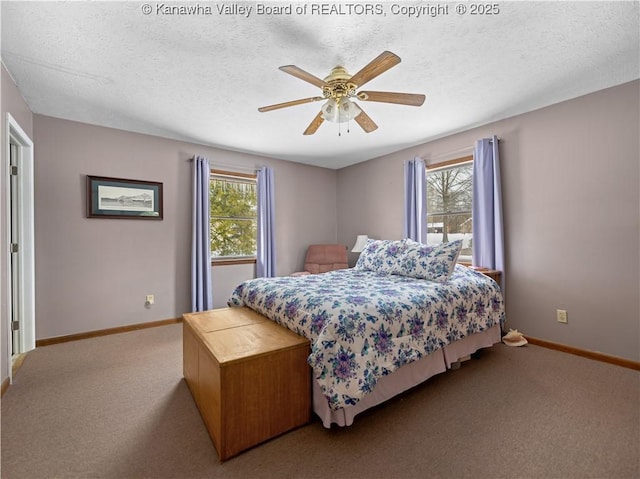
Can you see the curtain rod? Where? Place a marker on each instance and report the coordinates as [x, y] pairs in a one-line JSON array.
[[217, 165], [229, 167], [455, 152]]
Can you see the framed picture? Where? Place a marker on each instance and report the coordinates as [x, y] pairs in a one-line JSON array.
[[120, 198]]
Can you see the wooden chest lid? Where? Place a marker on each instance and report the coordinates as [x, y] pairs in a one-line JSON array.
[[223, 318], [250, 341]]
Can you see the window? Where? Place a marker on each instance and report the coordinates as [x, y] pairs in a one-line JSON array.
[[233, 207], [449, 196]]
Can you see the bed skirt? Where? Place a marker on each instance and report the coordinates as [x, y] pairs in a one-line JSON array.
[[405, 378]]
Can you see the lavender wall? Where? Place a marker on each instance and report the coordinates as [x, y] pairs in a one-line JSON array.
[[570, 176], [10, 102], [93, 274]]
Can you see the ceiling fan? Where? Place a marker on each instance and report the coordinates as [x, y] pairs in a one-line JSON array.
[[339, 88]]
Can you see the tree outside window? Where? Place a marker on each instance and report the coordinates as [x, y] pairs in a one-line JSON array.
[[233, 207], [449, 199]]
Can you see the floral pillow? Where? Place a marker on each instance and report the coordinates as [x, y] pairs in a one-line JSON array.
[[382, 256], [432, 262]]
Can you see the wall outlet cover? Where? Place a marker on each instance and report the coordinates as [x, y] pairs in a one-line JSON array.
[[561, 315]]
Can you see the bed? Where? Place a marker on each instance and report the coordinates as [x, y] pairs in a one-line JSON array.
[[404, 313]]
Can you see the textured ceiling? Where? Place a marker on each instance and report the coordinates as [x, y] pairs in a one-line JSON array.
[[201, 78]]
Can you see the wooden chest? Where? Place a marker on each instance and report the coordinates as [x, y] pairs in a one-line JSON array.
[[248, 375]]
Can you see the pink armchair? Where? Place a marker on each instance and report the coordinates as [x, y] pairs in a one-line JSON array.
[[324, 257]]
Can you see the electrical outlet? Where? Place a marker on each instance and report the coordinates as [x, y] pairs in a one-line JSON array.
[[149, 299], [561, 315]]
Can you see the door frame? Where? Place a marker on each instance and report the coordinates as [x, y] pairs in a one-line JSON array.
[[26, 259]]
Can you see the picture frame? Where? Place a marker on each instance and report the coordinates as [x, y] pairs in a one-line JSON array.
[[123, 199]]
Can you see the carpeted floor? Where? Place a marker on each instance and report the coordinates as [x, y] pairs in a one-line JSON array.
[[117, 407]]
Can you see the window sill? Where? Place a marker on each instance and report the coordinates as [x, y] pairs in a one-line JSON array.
[[227, 262]]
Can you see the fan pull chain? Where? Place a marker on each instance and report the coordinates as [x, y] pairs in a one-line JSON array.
[[340, 128]]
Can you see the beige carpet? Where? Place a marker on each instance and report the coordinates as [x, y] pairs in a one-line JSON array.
[[117, 407]]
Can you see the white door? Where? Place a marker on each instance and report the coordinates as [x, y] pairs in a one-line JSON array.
[[20, 256]]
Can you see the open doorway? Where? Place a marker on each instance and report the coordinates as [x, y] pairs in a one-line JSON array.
[[20, 232]]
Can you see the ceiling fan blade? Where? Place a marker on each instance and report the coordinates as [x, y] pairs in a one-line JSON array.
[[290, 103], [377, 66], [303, 75], [315, 124], [365, 122], [412, 99]]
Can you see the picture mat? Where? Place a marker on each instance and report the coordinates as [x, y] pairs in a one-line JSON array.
[[116, 198]]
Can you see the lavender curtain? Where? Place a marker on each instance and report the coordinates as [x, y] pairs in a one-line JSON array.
[[488, 236], [201, 294], [266, 251], [415, 201]]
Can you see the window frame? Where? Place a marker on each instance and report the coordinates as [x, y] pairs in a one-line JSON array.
[[456, 162], [232, 260]]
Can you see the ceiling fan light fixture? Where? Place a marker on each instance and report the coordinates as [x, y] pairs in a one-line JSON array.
[[330, 110], [348, 110], [339, 111]]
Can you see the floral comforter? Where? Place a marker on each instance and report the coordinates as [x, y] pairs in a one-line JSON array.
[[364, 325]]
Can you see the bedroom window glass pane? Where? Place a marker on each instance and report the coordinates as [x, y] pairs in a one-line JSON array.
[[233, 202], [449, 196]]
